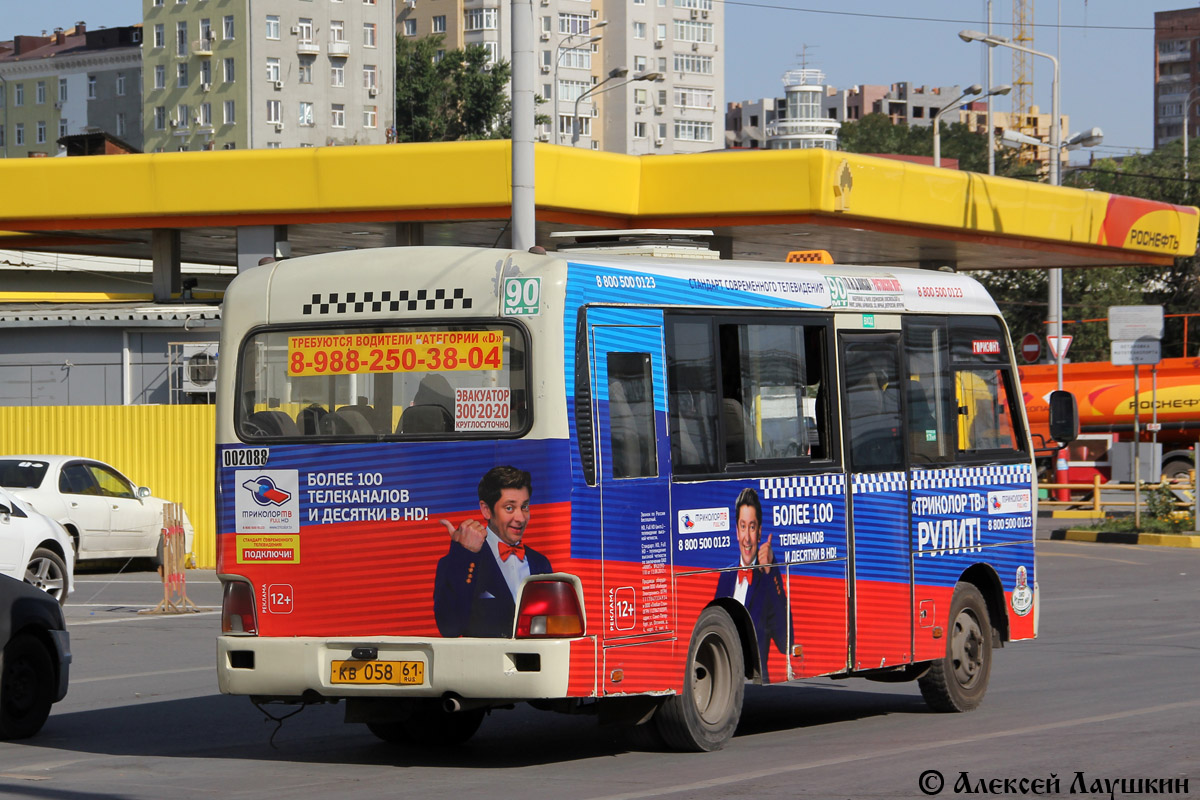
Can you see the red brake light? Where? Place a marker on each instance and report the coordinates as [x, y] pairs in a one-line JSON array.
[[549, 609], [237, 608]]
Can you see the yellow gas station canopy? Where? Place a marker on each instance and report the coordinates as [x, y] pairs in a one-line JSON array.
[[863, 209]]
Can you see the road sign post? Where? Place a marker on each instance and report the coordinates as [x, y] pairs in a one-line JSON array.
[[1136, 333], [1055, 342], [1031, 348]]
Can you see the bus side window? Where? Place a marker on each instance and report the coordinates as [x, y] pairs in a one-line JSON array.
[[747, 393], [983, 386], [932, 412], [985, 421], [631, 416], [816, 394], [873, 407], [691, 373]]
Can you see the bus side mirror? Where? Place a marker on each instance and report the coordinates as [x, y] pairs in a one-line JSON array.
[[1064, 417]]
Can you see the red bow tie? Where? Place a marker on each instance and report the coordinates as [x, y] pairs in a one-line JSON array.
[[744, 576], [507, 550]]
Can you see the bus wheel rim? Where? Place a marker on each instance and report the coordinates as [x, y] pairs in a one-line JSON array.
[[966, 649]]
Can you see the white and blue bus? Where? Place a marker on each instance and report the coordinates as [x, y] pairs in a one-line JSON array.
[[454, 478]]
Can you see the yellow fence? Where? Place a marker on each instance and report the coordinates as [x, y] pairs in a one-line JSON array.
[[167, 448]]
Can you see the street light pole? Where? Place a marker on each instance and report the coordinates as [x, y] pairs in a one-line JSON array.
[[524, 225], [613, 74], [560, 51], [1054, 177], [619, 72], [970, 91], [1187, 110], [991, 128], [4, 84]]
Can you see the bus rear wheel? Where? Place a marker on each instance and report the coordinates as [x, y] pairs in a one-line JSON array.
[[959, 681], [705, 714], [431, 726]]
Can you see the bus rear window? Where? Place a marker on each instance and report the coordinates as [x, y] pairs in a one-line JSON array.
[[433, 381]]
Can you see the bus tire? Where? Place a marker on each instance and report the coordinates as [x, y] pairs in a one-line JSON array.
[[645, 737], [26, 687], [705, 714], [431, 726], [958, 681]]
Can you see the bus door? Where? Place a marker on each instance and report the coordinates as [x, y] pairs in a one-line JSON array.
[[881, 592], [629, 391]]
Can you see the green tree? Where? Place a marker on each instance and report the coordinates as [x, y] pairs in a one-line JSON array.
[[970, 148], [1022, 296], [1152, 176], [458, 96], [875, 133], [1087, 293], [420, 90]]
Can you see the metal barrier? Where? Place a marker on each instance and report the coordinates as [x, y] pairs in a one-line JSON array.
[[174, 557], [1187, 499]]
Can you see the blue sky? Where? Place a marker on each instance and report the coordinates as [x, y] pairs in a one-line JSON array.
[[1106, 49]]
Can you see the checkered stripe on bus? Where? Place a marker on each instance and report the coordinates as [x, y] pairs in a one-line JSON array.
[[972, 476], [358, 302], [876, 482], [802, 486]]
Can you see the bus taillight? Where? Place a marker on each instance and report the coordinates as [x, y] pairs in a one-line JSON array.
[[237, 609], [549, 609]]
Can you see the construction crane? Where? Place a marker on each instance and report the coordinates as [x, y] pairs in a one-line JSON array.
[[1022, 93]]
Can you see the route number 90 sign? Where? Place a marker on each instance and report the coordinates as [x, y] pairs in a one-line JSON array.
[[522, 297], [430, 351]]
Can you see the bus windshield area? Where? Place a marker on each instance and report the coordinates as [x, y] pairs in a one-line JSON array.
[[430, 381]]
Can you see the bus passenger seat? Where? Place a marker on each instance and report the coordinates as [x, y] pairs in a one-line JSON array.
[[346, 421], [735, 430], [270, 423], [430, 418], [309, 419]]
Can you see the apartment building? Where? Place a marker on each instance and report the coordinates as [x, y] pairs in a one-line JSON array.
[[746, 121], [1176, 73], [70, 82], [233, 74], [637, 76], [810, 114]]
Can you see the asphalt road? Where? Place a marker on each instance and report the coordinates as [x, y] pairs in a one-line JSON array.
[[1108, 691]]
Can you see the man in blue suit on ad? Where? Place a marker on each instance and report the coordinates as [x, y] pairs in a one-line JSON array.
[[760, 589], [475, 588]]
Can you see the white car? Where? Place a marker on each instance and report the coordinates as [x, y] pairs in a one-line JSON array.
[[106, 514], [35, 548]]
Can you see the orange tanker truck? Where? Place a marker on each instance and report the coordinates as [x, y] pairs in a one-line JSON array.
[[1106, 400]]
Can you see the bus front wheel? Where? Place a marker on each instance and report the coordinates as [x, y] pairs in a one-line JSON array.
[[959, 681], [705, 714]]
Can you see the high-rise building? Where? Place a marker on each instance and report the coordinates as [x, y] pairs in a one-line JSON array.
[[636, 76], [70, 82], [267, 73], [1176, 72]]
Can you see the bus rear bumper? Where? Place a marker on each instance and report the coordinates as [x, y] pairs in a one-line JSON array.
[[297, 667]]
